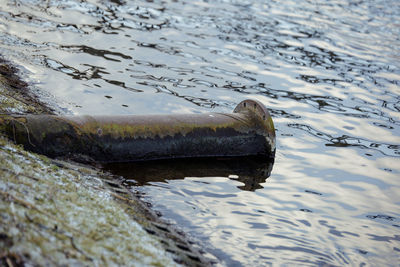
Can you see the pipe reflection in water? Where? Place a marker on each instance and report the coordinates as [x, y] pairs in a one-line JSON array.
[[251, 171]]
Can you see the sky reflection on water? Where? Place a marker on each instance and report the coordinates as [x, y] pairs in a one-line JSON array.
[[327, 70]]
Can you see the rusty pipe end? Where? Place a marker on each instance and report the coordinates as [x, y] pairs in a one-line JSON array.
[[256, 110]]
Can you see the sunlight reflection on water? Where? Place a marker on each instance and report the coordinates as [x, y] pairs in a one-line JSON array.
[[327, 70]]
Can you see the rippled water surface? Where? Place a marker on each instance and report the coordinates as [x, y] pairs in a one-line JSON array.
[[327, 70]]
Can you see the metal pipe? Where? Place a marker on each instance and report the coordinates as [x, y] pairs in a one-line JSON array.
[[249, 130]]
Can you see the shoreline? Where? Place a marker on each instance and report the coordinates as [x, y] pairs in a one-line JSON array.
[[42, 200]]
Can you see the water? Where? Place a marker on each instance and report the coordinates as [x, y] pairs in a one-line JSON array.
[[327, 70]]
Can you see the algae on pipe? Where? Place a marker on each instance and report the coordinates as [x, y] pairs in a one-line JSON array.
[[249, 130]]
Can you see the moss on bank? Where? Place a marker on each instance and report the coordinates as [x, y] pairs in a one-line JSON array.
[[60, 213], [64, 216], [15, 96]]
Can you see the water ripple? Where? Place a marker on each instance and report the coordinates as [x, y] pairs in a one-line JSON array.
[[328, 71]]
